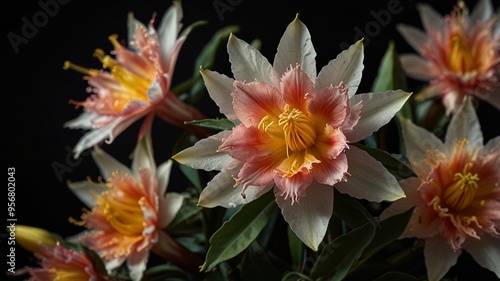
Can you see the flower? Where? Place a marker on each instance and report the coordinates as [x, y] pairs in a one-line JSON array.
[[293, 129], [130, 211], [137, 83], [456, 195], [60, 263], [458, 54]]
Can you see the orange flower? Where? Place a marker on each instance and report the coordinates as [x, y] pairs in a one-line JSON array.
[[130, 210], [58, 263], [459, 54], [456, 195], [137, 83], [292, 131]]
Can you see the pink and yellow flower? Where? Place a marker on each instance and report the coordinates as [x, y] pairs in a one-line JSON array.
[[137, 84], [292, 133], [458, 54], [58, 263], [456, 197], [130, 210]]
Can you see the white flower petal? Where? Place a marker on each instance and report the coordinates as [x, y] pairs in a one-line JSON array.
[[346, 67], [482, 11], [136, 264], [409, 186], [221, 191], [486, 252], [168, 30], [431, 19], [378, 109], [414, 36], [85, 191], [295, 47], [492, 144], [220, 87], [82, 121], [417, 67], [143, 156], [105, 133], [132, 25], [170, 204], [464, 124], [204, 155], [369, 179], [310, 216], [163, 176], [439, 257], [107, 164], [247, 63], [155, 91], [418, 141]]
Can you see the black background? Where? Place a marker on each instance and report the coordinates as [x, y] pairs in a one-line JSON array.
[[37, 90]]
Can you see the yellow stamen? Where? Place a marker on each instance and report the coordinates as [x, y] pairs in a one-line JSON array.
[[86, 71], [72, 273], [298, 129], [461, 59], [459, 194]]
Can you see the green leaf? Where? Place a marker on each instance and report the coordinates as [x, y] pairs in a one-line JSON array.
[[390, 75], [396, 167], [390, 229], [257, 264], [205, 59], [220, 124], [186, 221], [352, 211], [96, 260], [237, 233], [164, 272], [296, 246], [397, 276], [336, 259]]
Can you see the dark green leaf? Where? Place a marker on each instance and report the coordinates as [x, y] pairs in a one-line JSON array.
[[397, 276], [336, 259], [237, 233], [220, 124], [96, 260], [186, 221], [390, 229], [164, 272], [352, 211], [257, 264], [296, 246], [397, 168], [205, 59], [390, 75]]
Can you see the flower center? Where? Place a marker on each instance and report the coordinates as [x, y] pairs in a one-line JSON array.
[[71, 273], [298, 130], [128, 85], [122, 212], [460, 193], [461, 59]]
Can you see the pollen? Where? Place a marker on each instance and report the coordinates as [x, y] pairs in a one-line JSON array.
[[459, 194], [298, 130]]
